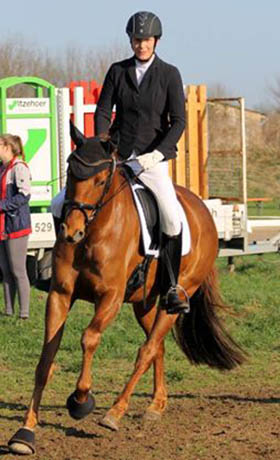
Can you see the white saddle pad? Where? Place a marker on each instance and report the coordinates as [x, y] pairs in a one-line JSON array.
[[146, 238]]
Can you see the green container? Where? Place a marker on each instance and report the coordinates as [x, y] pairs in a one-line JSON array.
[[34, 120]]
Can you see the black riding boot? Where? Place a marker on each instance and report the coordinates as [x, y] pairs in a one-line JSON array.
[[170, 259]]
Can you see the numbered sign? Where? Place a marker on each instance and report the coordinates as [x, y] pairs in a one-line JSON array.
[[43, 231]]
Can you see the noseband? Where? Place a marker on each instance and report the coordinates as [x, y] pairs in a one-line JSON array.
[[71, 205]]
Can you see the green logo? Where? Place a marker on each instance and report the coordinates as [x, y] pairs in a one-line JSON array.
[[35, 140], [12, 105]]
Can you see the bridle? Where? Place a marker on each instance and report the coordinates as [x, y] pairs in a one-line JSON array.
[[71, 205]]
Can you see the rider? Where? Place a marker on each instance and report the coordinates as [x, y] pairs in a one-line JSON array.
[[150, 117]]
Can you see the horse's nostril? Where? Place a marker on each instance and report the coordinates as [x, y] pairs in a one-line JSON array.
[[78, 236]]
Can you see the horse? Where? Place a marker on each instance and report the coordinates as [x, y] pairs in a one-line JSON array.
[[96, 251]]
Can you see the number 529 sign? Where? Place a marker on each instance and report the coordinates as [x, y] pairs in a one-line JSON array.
[[43, 231]]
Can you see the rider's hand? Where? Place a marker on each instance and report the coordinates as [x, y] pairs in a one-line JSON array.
[[149, 160]]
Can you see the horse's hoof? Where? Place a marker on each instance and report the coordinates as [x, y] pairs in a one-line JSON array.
[[80, 410], [20, 449], [109, 422], [151, 416], [23, 442]]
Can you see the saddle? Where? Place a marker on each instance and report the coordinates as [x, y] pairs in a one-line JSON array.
[[149, 219]]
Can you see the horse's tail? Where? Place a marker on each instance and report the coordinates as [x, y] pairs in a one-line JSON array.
[[200, 333]]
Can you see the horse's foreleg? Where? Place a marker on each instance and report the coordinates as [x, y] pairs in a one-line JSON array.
[[81, 402], [146, 355], [146, 320], [56, 312]]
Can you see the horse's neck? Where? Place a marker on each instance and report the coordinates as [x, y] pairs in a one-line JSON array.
[[114, 222], [118, 189], [115, 231], [117, 201]]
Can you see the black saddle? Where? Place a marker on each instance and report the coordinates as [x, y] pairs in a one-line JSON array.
[[151, 212], [149, 206]]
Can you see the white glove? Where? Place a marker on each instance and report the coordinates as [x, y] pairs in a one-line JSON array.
[[149, 160]]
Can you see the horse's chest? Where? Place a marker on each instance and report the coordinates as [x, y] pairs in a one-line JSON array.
[[87, 259]]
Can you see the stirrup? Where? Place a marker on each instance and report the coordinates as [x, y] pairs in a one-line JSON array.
[[182, 306]]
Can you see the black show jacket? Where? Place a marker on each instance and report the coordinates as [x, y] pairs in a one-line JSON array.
[[150, 116]]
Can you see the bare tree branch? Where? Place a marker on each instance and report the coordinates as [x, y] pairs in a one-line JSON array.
[[20, 58], [275, 93]]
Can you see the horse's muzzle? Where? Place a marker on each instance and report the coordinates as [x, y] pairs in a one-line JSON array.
[[77, 236]]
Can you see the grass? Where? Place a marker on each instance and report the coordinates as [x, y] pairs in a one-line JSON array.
[[263, 172], [252, 290], [271, 208]]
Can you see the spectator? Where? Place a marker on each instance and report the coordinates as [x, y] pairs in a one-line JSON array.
[[15, 223]]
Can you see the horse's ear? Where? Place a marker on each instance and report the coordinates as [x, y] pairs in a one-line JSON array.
[[106, 139], [77, 137]]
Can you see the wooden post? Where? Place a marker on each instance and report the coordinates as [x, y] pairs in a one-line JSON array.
[[202, 142], [171, 169], [181, 173], [193, 139]]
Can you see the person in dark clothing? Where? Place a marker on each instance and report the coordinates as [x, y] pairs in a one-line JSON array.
[[57, 209], [15, 223], [149, 99]]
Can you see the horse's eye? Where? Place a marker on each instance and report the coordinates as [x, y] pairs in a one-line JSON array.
[[100, 183]]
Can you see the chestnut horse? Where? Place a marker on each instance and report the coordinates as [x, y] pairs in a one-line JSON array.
[[97, 250]]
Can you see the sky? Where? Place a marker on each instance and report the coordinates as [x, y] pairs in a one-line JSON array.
[[234, 44]]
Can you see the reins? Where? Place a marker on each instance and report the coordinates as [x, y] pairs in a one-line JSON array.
[[70, 205]]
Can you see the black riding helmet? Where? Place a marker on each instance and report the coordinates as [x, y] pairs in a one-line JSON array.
[[144, 25]]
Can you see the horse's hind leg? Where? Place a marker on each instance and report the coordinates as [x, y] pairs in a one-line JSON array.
[[159, 402], [23, 442], [146, 356]]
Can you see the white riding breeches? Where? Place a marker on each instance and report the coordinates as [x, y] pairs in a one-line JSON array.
[[159, 181]]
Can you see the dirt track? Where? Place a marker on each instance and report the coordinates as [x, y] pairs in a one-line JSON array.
[[263, 234], [244, 425]]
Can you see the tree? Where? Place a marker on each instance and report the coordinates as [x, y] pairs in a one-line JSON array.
[[20, 58], [218, 91], [275, 93]]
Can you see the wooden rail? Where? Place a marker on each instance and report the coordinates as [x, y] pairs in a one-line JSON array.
[[259, 202], [192, 148]]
